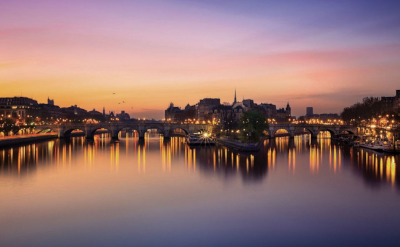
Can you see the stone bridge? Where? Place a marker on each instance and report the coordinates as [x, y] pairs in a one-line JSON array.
[[314, 129], [166, 129]]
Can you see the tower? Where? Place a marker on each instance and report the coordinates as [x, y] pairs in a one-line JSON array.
[[50, 101], [288, 110], [235, 97], [104, 111], [309, 111]]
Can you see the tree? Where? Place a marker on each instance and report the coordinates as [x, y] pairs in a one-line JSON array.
[[8, 125], [252, 125], [370, 107]]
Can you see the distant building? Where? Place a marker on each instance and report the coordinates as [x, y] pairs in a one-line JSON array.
[[205, 106], [74, 110], [123, 116], [288, 110], [391, 103], [189, 112], [173, 112], [237, 111], [50, 101], [221, 114], [95, 114], [309, 111], [268, 109], [328, 116], [50, 110], [248, 103], [177, 114], [226, 114], [18, 107]]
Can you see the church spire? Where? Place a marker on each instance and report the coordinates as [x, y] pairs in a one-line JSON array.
[[235, 97]]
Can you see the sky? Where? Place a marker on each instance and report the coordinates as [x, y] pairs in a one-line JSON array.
[[324, 54]]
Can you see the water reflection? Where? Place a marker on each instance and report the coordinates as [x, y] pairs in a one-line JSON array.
[[294, 155], [376, 169]]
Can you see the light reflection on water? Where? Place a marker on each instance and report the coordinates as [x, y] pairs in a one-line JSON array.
[[295, 183], [374, 166]]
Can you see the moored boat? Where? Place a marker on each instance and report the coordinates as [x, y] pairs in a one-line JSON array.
[[376, 145], [388, 147], [200, 139]]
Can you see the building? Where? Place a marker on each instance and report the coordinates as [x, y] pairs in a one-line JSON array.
[[123, 116], [326, 117], [288, 110], [309, 111], [227, 114], [95, 114], [189, 112], [283, 113], [18, 107], [50, 101], [391, 103], [50, 110], [176, 114], [173, 113], [74, 110], [269, 110], [205, 106], [248, 103], [221, 114]]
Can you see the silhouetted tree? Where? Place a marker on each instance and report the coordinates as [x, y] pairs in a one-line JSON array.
[[253, 123], [370, 107]]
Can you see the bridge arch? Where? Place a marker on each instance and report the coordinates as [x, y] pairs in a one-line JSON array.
[[127, 128], [301, 131], [171, 131], [349, 131], [90, 133], [152, 127], [67, 132], [331, 132], [311, 131], [279, 130]]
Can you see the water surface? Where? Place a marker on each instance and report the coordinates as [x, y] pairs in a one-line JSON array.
[[164, 193]]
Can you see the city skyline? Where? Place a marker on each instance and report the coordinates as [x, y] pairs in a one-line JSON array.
[[199, 123], [327, 55]]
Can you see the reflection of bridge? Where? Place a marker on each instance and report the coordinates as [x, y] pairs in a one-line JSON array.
[[314, 129], [166, 129]]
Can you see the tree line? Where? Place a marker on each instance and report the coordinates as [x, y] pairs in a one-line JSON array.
[[370, 107]]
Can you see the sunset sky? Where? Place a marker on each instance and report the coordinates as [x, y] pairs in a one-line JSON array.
[[325, 54]]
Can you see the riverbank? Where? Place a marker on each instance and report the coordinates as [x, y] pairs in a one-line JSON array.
[[238, 146], [18, 140]]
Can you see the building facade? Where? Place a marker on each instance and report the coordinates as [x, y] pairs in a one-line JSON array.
[[309, 111], [18, 107]]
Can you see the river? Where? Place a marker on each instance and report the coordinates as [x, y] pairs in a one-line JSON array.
[[160, 192]]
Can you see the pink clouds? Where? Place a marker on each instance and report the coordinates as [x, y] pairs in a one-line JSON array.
[[157, 52]]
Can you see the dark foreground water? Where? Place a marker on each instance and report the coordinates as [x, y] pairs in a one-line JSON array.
[[163, 193]]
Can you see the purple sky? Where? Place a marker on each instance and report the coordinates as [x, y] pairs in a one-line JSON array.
[[325, 54]]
